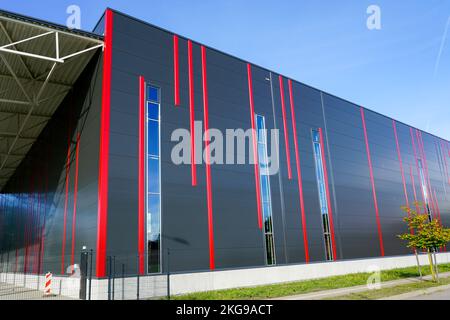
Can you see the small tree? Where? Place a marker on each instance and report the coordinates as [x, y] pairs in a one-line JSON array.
[[425, 234]]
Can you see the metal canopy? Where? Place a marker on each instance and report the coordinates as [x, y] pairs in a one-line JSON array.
[[39, 64]]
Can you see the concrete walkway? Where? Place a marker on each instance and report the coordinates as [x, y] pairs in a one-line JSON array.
[[11, 292], [344, 291]]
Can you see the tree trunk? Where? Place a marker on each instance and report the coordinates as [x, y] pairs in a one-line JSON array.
[[430, 259], [418, 263], [436, 265]]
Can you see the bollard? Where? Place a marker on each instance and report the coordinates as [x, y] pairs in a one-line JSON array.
[[48, 284]]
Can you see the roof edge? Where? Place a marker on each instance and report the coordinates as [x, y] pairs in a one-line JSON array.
[[47, 24]]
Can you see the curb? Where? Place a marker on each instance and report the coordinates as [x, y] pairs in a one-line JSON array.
[[417, 293]]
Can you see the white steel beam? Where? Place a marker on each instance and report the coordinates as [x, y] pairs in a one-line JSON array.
[[81, 52], [57, 45], [56, 95], [20, 113], [32, 55], [8, 76], [27, 39], [44, 85], [6, 134], [26, 103]]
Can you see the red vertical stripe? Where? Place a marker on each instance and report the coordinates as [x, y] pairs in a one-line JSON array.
[[191, 113], [75, 197], [399, 155], [66, 202], [414, 188], [176, 71], [327, 189], [208, 165], [372, 181], [255, 152], [299, 172], [102, 216], [286, 134], [141, 176], [418, 170]]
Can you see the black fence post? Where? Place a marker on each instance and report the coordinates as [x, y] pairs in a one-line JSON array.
[[123, 281], [1, 264], [3, 268], [14, 277], [90, 273], [83, 273], [109, 277], [168, 274], [7, 267], [113, 276], [137, 278], [25, 275]]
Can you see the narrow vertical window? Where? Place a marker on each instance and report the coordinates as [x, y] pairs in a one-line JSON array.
[[324, 209], [153, 170], [423, 184], [266, 198]]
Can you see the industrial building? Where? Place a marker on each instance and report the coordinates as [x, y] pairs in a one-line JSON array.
[[86, 126]]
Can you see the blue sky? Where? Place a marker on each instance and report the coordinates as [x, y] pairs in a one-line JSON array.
[[326, 44]]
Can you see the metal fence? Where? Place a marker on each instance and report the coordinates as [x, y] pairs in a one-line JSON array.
[[25, 279]]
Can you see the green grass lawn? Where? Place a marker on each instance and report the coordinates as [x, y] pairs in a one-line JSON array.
[[307, 286], [393, 291]]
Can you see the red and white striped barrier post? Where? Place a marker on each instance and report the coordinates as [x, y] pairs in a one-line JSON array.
[[48, 284]]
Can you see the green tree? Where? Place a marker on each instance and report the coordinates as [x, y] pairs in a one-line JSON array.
[[425, 234]]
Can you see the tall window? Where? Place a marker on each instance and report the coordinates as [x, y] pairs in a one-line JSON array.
[[322, 194], [266, 200], [423, 184], [153, 170]]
